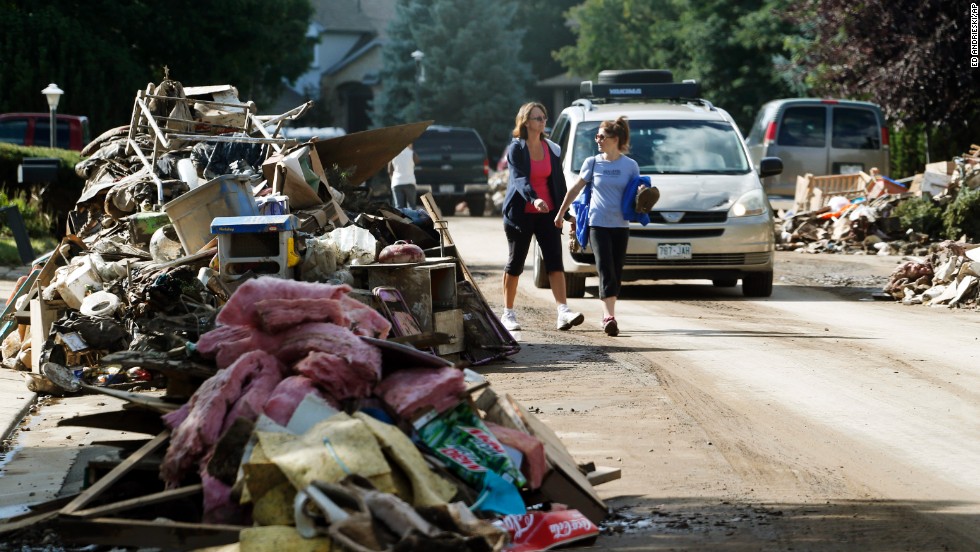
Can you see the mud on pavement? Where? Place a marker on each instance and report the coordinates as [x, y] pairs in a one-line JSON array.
[[609, 404]]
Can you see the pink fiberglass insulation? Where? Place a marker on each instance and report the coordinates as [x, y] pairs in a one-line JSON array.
[[241, 309], [247, 306], [199, 424], [227, 343], [341, 379], [412, 390], [276, 315], [219, 507], [328, 338], [364, 320], [287, 396], [535, 464]]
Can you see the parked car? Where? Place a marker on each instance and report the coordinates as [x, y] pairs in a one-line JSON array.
[[819, 137], [713, 220], [34, 129], [454, 166]]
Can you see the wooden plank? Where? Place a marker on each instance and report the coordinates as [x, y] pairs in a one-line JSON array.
[[101, 485], [565, 482], [160, 535], [140, 501], [603, 474]]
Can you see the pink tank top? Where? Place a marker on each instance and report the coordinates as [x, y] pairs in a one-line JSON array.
[[540, 171]]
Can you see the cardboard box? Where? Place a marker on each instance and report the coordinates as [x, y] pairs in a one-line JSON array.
[[937, 177], [296, 174]]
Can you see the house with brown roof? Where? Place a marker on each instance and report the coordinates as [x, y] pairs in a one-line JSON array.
[[344, 75]]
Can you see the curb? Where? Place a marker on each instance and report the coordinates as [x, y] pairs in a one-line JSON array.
[[15, 402]]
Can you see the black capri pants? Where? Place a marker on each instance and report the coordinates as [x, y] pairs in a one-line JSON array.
[[542, 227], [609, 247]]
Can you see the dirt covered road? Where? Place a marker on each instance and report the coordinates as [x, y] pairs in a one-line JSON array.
[[817, 419]]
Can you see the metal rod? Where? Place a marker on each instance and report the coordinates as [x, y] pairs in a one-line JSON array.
[[148, 167]]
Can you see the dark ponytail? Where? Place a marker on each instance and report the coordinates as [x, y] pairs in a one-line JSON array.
[[620, 128]]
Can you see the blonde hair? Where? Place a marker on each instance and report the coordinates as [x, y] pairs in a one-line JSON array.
[[523, 115], [619, 128]]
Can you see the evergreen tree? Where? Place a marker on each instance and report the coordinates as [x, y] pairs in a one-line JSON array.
[[547, 31], [474, 74]]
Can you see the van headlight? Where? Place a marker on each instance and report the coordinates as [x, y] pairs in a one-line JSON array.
[[750, 204]]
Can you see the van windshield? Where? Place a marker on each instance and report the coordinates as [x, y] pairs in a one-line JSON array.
[[674, 147]]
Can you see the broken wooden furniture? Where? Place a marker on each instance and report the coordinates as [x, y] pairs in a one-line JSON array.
[[813, 192]]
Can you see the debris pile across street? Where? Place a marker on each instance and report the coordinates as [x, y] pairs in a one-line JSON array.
[[870, 214], [299, 358]]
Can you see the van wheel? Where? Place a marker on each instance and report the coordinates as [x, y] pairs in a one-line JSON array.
[[636, 76], [477, 205], [540, 274], [724, 282], [757, 284], [574, 285]]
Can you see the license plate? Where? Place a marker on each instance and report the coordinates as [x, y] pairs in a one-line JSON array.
[[446, 188], [674, 251], [851, 169]]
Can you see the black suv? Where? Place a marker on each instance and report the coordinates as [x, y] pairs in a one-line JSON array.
[[453, 165]]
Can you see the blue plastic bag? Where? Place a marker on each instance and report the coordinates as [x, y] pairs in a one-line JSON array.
[[580, 209]]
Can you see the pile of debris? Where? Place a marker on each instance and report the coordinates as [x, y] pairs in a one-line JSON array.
[[313, 349], [947, 277], [856, 213]]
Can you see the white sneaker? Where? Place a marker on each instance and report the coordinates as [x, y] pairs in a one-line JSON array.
[[509, 320], [567, 319]]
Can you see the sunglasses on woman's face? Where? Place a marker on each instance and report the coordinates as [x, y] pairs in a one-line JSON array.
[[538, 119], [600, 137]]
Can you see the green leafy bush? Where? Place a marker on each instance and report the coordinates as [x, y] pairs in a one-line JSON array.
[[962, 216], [922, 215], [37, 222]]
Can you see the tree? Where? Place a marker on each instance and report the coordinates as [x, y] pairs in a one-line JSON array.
[[546, 32], [911, 57], [474, 75], [101, 53], [731, 48]]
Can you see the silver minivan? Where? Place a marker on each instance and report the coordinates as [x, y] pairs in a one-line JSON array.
[[818, 136]]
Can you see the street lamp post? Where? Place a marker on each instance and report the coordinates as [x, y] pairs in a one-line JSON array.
[[53, 94], [417, 55]]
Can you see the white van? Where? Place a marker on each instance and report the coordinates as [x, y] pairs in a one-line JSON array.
[[712, 221], [819, 137]]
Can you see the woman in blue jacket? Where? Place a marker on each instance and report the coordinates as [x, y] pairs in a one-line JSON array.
[[535, 185]]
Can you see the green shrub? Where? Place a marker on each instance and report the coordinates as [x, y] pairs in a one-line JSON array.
[[922, 215], [37, 222], [60, 196], [962, 216]]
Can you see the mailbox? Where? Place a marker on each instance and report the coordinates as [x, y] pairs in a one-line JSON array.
[[37, 169]]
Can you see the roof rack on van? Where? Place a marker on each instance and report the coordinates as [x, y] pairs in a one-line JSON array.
[[686, 91]]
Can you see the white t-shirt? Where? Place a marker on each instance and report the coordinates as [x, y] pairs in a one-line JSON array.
[[608, 186], [403, 168]]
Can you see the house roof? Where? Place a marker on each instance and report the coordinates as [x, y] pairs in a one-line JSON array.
[[352, 57], [365, 16]]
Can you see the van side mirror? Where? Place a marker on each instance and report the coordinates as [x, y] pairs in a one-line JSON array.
[[770, 166]]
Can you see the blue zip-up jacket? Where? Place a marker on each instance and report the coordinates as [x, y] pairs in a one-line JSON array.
[[629, 201], [519, 190]]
